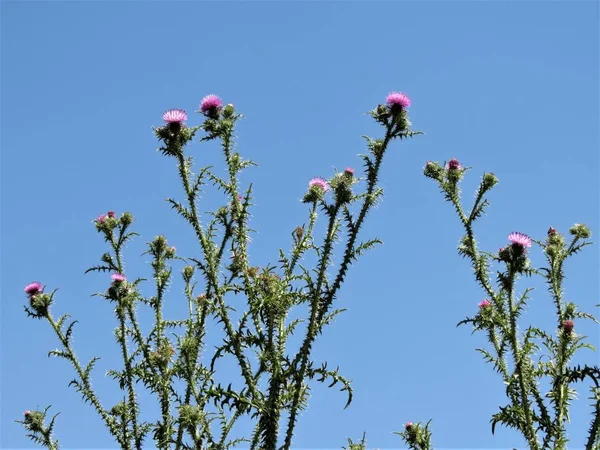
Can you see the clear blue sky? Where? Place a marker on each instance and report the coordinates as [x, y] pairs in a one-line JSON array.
[[508, 87]]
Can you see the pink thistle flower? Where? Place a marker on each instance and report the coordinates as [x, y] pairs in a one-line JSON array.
[[408, 425], [453, 164], [175, 115], [320, 183], [568, 325], [349, 171], [26, 413], [485, 303], [118, 277], [111, 214], [33, 288], [398, 99], [101, 219], [520, 239], [210, 103]]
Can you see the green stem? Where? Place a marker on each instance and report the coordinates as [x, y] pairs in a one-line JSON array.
[[529, 430], [88, 392]]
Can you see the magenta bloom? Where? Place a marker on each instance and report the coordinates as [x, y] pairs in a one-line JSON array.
[[485, 303], [453, 164], [398, 99], [349, 171], [319, 182], [568, 325], [520, 239], [101, 218], [111, 214], [118, 277], [210, 103], [551, 231], [175, 115], [33, 288]]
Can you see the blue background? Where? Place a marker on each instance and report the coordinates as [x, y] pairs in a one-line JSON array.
[[507, 87]]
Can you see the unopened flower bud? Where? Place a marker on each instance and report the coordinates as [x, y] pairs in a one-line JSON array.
[[228, 111], [188, 273], [433, 170], [489, 180], [126, 219], [551, 231], [580, 230], [111, 214]]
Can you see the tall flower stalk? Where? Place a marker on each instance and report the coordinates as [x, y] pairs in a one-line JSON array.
[[197, 411], [540, 418]]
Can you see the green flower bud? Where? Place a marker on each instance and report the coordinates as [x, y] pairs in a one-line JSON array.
[[580, 230], [126, 219], [188, 273], [433, 170], [228, 111], [489, 181]]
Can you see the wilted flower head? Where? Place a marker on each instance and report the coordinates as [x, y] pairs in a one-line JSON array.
[[118, 277], [33, 288], [320, 183], [210, 103], [398, 99], [175, 115], [453, 164], [484, 303], [520, 239], [568, 325]]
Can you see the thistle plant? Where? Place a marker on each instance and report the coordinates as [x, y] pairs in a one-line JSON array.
[[540, 417], [197, 410]]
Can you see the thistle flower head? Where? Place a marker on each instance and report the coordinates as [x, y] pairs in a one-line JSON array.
[[118, 277], [551, 231], [210, 103], [399, 99], [453, 164], [33, 288], [175, 115], [408, 425], [111, 214], [101, 218], [484, 303], [26, 413], [568, 325], [319, 183], [520, 239], [349, 171]]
